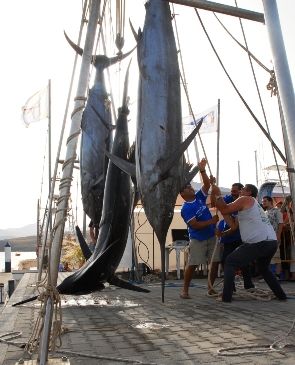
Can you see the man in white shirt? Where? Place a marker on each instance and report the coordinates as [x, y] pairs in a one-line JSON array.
[[258, 236]]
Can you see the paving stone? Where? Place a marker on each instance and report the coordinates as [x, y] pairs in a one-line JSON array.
[[196, 329]]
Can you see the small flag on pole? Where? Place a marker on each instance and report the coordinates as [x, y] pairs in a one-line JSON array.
[[36, 107], [209, 121]]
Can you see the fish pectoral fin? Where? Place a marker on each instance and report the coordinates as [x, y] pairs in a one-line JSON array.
[[167, 164], [97, 181], [124, 165], [114, 280]]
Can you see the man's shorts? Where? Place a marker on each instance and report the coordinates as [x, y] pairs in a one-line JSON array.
[[200, 252]]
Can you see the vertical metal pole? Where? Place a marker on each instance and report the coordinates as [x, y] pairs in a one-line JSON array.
[[283, 78], [39, 246], [65, 183], [256, 169], [44, 341], [49, 148], [291, 175], [239, 172], [218, 141]]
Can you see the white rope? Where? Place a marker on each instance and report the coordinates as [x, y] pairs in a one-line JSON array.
[[276, 346]]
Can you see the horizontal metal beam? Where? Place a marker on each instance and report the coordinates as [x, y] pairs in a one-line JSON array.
[[221, 8]]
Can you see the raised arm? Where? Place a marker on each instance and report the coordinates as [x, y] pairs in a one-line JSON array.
[[205, 178]]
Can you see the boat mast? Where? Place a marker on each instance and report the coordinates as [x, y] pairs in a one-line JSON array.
[[66, 180], [284, 82], [49, 147]]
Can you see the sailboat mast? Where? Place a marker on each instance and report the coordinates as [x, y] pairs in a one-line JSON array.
[[65, 183], [284, 81], [49, 147]]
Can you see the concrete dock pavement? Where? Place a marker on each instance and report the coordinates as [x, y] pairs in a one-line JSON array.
[[117, 326]]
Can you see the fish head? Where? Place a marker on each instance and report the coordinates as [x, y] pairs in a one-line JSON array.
[[160, 214]]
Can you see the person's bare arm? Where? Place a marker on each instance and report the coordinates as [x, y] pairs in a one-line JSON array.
[[213, 196], [232, 222], [205, 178], [243, 202], [195, 224]]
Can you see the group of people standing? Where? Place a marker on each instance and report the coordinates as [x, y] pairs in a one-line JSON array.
[[245, 230]]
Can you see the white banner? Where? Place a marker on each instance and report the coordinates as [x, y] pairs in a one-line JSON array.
[[36, 107], [210, 119]]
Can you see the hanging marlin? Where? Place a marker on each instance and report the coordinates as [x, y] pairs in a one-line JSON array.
[[97, 129], [160, 167], [114, 225]]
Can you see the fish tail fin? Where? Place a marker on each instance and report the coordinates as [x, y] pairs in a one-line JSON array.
[[114, 280]]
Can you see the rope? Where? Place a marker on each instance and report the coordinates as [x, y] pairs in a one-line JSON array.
[[184, 84], [141, 242], [7, 337], [272, 84], [276, 346], [118, 359], [240, 95], [242, 46], [260, 98]]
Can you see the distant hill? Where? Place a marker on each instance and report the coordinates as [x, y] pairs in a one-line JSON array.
[[22, 244], [25, 231]]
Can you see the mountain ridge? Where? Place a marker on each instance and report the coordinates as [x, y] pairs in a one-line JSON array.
[[25, 231]]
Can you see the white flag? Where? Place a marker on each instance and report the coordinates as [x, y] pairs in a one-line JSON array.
[[209, 125], [36, 107]]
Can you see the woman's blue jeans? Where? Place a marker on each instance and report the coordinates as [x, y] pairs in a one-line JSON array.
[[262, 252]]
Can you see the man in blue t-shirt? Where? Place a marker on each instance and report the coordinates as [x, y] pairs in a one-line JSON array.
[[201, 229]]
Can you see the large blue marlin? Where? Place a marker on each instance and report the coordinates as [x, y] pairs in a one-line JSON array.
[[96, 137], [160, 169]]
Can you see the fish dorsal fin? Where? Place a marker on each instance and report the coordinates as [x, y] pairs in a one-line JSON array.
[[138, 35], [168, 163]]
